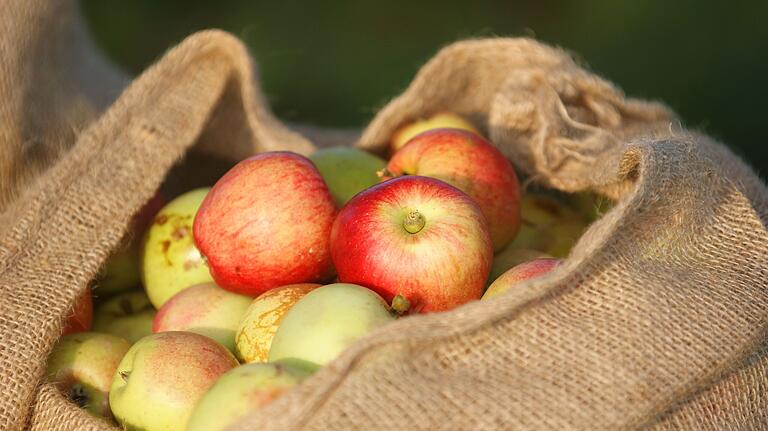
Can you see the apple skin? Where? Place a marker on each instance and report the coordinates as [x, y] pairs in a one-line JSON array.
[[520, 273], [205, 309], [474, 166], [259, 324], [511, 257], [128, 315], [81, 365], [347, 171], [170, 261], [326, 321], [548, 225], [241, 391], [266, 224], [440, 120], [443, 265], [81, 318], [163, 376]]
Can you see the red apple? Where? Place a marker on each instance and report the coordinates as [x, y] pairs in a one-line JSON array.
[[474, 166], [417, 237], [266, 223], [82, 314], [520, 273]]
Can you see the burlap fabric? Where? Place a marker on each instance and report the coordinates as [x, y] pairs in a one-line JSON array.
[[657, 320]]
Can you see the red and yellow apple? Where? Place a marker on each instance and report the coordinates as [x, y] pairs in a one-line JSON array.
[[440, 120], [347, 171], [81, 366], [205, 309], [81, 317], [266, 224], [511, 257], [163, 376], [474, 166], [520, 273], [128, 315], [259, 324], [417, 237]]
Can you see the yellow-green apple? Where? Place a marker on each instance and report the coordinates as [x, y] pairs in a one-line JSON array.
[[163, 376], [326, 321], [590, 204], [205, 309], [520, 273], [122, 272], [81, 317], [548, 225], [511, 257], [170, 261], [347, 171], [81, 366], [241, 391], [471, 164], [257, 328], [441, 120], [266, 224], [128, 315], [417, 237]]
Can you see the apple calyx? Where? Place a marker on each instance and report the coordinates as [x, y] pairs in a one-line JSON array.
[[414, 222], [400, 304], [78, 395], [124, 375]]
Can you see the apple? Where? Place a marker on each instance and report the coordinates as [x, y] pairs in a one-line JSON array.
[[326, 321], [441, 120], [548, 225], [122, 272], [590, 205], [511, 257], [205, 309], [81, 317], [259, 324], [81, 366], [520, 273], [170, 261], [347, 171], [266, 224], [241, 391], [417, 237], [128, 315], [474, 166], [163, 376]]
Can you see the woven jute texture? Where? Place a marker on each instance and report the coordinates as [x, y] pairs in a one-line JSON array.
[[657, 319]]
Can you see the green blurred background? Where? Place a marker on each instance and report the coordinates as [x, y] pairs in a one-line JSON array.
[[335, 62]]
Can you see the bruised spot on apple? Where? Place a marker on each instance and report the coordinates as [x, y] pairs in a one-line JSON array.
[[266, 224], [440, 120], [81, 317], [417, 237], [520, 273], [471, 164]]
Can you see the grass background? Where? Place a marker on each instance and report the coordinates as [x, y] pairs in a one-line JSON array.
[[335, 62]]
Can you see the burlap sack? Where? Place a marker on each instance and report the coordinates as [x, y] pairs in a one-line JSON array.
[[657, 320]]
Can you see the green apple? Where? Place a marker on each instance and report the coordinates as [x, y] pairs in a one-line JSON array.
[[163, 376], [510, 257], [548, 225], [347, 171], [170, 261], [205, 309], [82, 364], [128, 315], [325, 322], [241, 391]]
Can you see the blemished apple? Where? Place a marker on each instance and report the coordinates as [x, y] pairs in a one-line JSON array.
[[259, 324], [325, 322], [128, 315], [471, 164], [520, 273], [170, 261], [81, 317], [417, 237], [347, 171], [440, 120], [548, 225], [163, 376], [511, 257], [266, 224], [241, 391], [81, 366], [205, 309]]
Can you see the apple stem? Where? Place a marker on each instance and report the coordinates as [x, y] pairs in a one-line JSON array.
[[384, 174], [414, 222], [400, 304], [124, 375]]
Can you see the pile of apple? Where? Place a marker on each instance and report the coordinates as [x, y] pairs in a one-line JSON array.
[[286, 261]]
